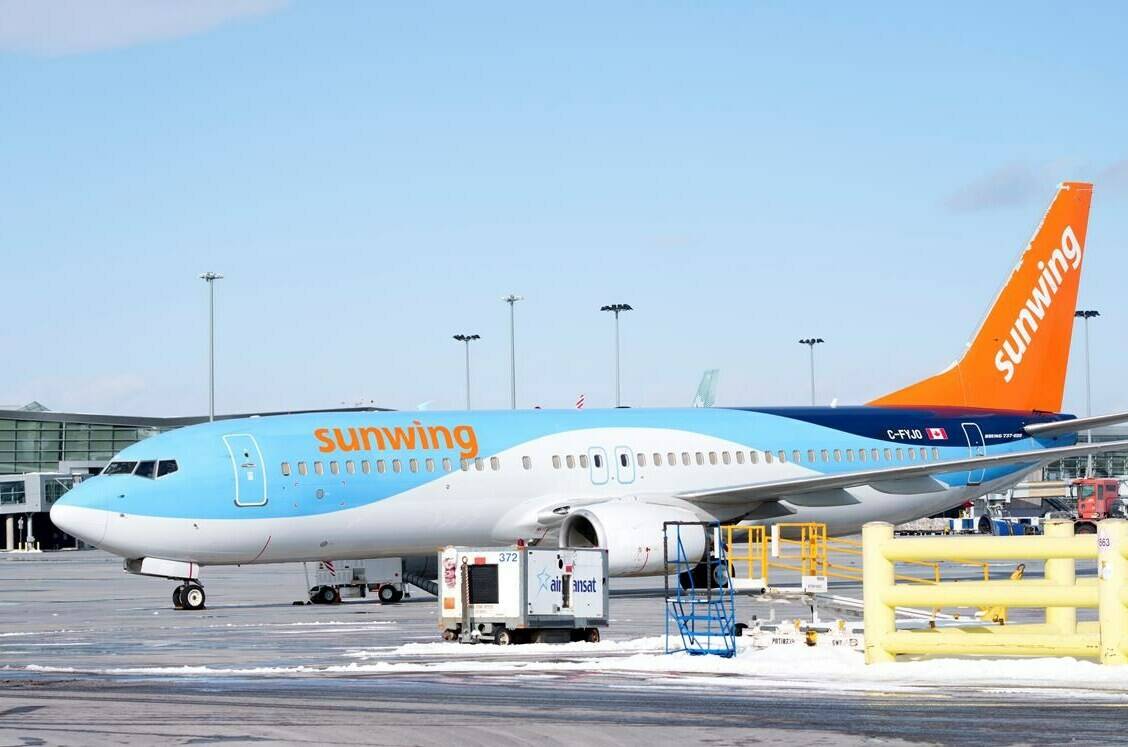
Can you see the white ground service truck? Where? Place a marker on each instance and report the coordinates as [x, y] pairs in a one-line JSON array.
[[522, 594], [334, 580]]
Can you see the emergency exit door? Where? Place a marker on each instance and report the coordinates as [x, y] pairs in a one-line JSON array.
[[250, 474]]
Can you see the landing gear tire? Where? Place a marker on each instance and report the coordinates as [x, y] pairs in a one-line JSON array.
[[698, 578], [177, 598], [389, 594], [192, 597]]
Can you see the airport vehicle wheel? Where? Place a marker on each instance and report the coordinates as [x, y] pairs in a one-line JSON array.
[[1084, 527], [388, 594], [503, 637], [739, 628], [592, 635], [193, 597], [984, 525], [177, 601], [449, 635], [329, 595]]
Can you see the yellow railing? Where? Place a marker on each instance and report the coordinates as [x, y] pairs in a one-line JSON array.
[[1060, 593], [807, 551]]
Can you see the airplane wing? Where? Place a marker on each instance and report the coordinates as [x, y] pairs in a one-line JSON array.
[[1076, 425], [917, 478]]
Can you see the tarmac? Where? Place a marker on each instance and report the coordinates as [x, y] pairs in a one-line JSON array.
[[91, 655]]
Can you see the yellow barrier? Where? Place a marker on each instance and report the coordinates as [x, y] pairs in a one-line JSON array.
[[1060, 593]]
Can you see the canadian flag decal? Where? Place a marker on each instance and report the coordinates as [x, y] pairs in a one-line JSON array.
[[937, 434]]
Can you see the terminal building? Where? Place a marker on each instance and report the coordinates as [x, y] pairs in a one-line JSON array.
[[43, 454]]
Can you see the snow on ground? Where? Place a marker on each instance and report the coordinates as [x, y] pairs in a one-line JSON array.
[[821, 668]]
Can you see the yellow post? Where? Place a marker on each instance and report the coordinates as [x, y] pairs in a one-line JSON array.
[[877, 580], [1112, 576], [1061, 572]]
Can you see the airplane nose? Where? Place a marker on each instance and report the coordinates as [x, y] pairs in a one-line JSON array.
[[82, 513]]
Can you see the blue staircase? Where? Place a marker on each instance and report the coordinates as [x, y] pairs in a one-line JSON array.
[[702, 604]]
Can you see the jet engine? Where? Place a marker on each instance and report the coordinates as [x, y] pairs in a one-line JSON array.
[[632, 534]]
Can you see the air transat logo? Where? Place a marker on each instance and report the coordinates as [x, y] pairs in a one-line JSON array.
[[415, 436], [1063, 260]]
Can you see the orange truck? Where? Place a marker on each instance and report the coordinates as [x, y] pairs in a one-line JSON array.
[[1097, 498]]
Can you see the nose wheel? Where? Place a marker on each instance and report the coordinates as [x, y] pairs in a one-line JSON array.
[[188, 596]]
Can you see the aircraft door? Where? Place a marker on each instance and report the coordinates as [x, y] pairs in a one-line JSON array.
[[976, 448], [250, 473], [624, 464], [597, 461]]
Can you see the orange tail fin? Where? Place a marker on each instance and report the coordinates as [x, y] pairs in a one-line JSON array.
[[1017, 358]]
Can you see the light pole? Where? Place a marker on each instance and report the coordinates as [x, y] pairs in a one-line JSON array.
[[467, 339], [512, 300], [1087, 314], [210, 278], [616, 308], [810, 342]]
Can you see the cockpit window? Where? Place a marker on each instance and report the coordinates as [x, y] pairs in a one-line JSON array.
[[145, 469], [119, 468], [166, 467]]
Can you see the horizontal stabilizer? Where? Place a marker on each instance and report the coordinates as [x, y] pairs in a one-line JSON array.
[[1076, 425]]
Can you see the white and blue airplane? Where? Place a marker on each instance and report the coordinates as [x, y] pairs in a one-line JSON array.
[[308, 487]]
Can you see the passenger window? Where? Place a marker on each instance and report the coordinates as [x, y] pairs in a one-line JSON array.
[[366, 467], [584, 460], [767, 457], [796, 456], [861, 455], [479, 464], [146, 469], [556, 461], [782, 456], [319, 468], [923, 454], [810, 456], [168, 466], [726, 457], [334, 468], [699, 458], [712, 457], [413, 465], [849, 455], [380, 467], [447, 466], [900, 455], [570, 461], [397, 466], [527, 462], [429, 463], [753, 457], [286, 469], [641, 459], [350, 467], [302, 469], [495, 463], [875, 454], [656, 459], [825, 455], [740, 457], [912, 455], [935, 453], [685, 458], [889, 455], [465, 465], [838, 455]]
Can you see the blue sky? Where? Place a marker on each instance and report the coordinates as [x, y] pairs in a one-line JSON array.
[[372, 178]]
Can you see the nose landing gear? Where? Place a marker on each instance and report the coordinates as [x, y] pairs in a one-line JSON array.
[[188, 596]]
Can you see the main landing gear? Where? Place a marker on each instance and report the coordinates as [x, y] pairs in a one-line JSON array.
[[188, 596]]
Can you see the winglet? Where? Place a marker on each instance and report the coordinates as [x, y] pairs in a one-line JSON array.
[[1018, 356]]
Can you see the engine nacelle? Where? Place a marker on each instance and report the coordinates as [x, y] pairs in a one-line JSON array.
[[632, 534]]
